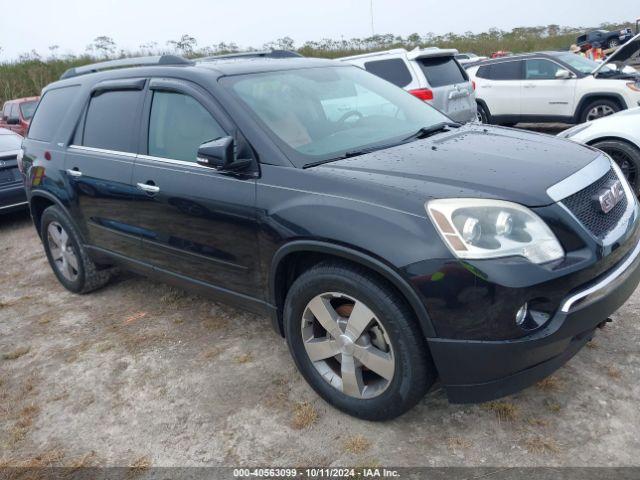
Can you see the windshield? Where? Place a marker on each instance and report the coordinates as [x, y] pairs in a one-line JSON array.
[[581, 64], [318, 114], [9, 142], [27, 109]]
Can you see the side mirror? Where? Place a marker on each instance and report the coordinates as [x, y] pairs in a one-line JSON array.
[[13, 121], [564, 75], [217, 153]]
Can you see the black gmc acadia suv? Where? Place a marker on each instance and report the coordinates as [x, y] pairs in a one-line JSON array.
[[389, 245]]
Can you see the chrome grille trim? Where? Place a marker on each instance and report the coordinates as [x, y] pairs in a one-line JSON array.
[[580, 179]]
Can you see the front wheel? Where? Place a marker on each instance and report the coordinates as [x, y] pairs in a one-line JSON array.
[[356, 342], [613, 43], [598, 109], [627, 157]]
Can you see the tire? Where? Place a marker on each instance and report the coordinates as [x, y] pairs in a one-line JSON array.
[[483, 115], [393, 325], [613, 43], [627, 156], [598, 109], [81, 275]]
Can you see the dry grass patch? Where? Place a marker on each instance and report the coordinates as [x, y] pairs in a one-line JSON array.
[[87, 460], [505, 411], [24, 423], [456, 443], [173, 297], [537, 422], [552, 405], [17, 353], [613, 372], [304, 415], [540, 444], [549, 384], [357, 444], [244, 358], [140, 464], [593, 345]]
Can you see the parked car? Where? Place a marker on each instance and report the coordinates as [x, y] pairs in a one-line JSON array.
[[430, 74], [16, 114], [618, 136], [464, 58], [501, 53], [390, 246], [12, 193], [605, 38], [555, 87]]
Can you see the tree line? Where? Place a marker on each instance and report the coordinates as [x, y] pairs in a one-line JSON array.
[[31, 71]]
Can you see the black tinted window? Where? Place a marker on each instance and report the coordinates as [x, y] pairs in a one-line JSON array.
[[441, 71], [506, 71], [484, 72], [50, 111], [540, 69], [111, 120], [393, 70], [178, 125]]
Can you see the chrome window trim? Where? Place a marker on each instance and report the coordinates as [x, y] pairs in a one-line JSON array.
[[102, 150], [619, 270], [580, 179], [173, 162]]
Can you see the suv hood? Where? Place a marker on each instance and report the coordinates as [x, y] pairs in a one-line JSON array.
[[472, 161], [623, 56]]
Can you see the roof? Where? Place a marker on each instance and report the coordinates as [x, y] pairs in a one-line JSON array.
[[414, 54], [22, 100], [517, 56], [240, 65], [6, 131]]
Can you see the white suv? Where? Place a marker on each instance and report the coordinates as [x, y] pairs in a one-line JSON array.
[[556, 86], [431, 74]]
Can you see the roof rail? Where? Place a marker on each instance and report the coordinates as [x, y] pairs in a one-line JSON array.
[[256, 54], [126, 62]]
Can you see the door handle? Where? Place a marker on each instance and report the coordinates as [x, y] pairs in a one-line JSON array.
[[74, 172], [529, 85], [145, 187]]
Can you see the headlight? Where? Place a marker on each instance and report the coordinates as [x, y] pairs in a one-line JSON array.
[[479, 229], [574, 130]]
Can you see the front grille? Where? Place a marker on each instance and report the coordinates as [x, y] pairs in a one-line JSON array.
[[9, 175], [589, 213]]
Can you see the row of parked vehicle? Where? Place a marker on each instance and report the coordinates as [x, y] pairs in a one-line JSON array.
[[390, 244]]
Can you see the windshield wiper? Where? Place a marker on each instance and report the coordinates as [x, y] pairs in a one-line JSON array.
[[425, 132]]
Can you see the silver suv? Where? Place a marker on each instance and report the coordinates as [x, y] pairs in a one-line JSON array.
[[431, 74]]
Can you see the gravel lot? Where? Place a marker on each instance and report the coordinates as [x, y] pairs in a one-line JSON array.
[[141, 374]]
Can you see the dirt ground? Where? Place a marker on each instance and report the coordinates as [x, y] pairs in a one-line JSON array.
[[142, 374]]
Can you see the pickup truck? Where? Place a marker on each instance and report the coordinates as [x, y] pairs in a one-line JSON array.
[[17, 113], [604, 38]]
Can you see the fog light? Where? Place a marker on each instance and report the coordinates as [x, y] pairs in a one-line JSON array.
[[521, 315]]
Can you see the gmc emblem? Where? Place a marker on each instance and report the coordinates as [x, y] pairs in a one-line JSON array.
[[609, 196]]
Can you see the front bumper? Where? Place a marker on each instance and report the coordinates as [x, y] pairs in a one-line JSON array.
[[12, 197], [478, 371]]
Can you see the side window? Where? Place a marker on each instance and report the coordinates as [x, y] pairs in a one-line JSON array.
[[178, 125], [540, 69], [13, 113], [484, 72], [5, 110], [506, 71], [111, 120], [50, 112], [393, 70]]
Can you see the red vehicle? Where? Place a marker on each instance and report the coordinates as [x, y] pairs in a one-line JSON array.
[[501, 53], [17, 113]]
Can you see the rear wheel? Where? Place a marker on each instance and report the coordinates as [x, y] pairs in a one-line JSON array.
[[67, 257], [598, 109], [613, 43], [356, 342], [627, 157], [482, 115]]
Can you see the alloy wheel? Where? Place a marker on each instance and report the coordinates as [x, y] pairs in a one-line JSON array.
[[62, 251], [599, 111], [348, 345]]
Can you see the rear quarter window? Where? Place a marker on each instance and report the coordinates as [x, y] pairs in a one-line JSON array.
[[393, 70], [50, 111], [442, 71], [111, 120]]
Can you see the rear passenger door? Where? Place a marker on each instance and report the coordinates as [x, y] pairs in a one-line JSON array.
[[194, 220], [501, 87], [99, 165]]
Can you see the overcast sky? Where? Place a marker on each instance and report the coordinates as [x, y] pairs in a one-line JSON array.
[[72, 24]]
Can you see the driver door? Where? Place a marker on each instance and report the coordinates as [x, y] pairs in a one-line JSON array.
[[194, 221], [544, 94]]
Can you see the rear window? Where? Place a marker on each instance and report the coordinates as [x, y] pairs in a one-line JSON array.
[[442, 71], [111, 120], [393, 70], [27, 109], [506, 71], [46, 121]]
